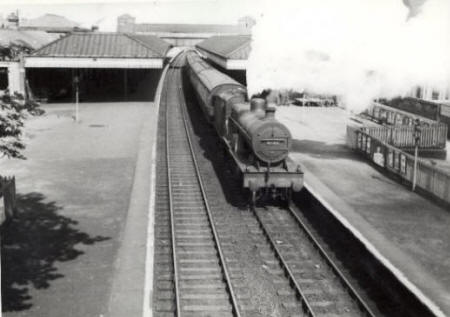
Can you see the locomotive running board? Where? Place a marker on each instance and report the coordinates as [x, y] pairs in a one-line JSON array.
[[290, 176]]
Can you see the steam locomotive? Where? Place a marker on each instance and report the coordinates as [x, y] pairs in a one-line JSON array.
[[257, 143]]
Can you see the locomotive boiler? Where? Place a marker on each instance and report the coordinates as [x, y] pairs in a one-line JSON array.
[[268, 140], [256, 141]]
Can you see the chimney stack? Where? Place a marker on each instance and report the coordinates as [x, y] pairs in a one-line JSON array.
[[13, 20]]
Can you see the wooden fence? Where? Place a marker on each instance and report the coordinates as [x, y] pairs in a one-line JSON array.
[[423, 108], [8, 192], [431, 137], [393, 116], [430, 179]]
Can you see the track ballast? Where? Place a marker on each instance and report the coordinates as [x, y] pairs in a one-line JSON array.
[[207, 272]]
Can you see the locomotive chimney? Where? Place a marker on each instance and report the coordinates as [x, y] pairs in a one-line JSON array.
[[270, 112], [257, 104]]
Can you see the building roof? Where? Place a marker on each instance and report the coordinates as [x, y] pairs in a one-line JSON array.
[[106, 45], [125, 15], [190, 28], [31, 39], [152, 42], [49, 21], [227, 47]]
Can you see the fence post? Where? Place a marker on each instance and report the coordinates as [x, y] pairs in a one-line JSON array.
[[417, 134], [7, 202], [8, 188], [13, 196]]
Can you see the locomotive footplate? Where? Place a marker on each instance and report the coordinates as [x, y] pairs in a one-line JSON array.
[[289, 176], [255, 178]]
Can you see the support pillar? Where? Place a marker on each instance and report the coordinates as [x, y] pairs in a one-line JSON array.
[[125, 84]]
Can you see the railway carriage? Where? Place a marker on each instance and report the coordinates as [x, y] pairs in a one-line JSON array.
[[258, 144], [208, 83]]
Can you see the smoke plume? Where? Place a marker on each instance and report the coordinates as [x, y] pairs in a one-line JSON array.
[[358, 50]]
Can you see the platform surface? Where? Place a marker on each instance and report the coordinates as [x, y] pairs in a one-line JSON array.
[[61, 257], [410, 231]]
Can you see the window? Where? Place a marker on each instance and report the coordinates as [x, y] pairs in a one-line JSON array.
[[419, 92], [435, 95]]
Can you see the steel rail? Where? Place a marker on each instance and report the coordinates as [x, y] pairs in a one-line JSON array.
[[300, 294], [188, 130], [172, 218], [346, 283]]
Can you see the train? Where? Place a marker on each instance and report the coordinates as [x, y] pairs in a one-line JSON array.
[[258, 144]]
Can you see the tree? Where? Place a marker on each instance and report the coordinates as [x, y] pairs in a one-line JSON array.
[[13, 112]]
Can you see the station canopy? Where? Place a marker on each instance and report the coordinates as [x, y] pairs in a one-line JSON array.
[[101, 50], [230, 52]]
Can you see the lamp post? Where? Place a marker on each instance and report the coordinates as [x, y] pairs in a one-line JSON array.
[[76, 81], [417, 133]]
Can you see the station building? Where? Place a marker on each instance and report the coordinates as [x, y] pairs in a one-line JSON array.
[[228, 53], [13, 44], [103, 66], [184, 35], [20, 37]]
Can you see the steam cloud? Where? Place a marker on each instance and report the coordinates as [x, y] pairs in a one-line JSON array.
[[358, 50]]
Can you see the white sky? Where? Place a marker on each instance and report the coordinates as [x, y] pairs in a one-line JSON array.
[[104, 12]]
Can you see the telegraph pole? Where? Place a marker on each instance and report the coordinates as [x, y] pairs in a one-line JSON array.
[[77, 97]]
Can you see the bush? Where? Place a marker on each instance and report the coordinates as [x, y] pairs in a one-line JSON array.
[[13, 112]]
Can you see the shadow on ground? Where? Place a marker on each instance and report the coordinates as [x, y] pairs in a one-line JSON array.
[[31, 244], [323, 150], [213, 150]]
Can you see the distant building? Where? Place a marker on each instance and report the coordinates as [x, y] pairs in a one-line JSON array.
[[125, 23], [19, 37], [184, 34], [49, 23], [12, 21], [247, 21], [14, 44], [431, 94]]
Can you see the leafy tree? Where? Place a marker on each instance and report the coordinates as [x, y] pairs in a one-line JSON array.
[[13, 112]]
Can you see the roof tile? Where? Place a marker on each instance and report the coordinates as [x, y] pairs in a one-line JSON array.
[[100, 45], [228, 47]]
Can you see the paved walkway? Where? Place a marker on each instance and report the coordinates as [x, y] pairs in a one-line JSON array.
[[409, 230], [59, 257]]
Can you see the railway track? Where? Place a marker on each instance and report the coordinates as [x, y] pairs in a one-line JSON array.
[[322, 288], [298, 288], [195, 281], [206, 263]]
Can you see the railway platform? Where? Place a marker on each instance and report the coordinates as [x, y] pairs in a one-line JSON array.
[[79, 241], [406, 232]]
